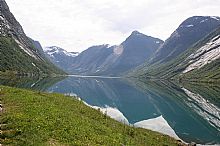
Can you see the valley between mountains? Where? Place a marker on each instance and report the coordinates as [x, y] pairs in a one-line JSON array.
[[143, 76], [191, 53]]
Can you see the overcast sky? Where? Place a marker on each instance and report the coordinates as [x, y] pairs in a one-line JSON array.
[[77, 24]]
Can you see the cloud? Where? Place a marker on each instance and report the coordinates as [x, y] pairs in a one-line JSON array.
[[77, 24]]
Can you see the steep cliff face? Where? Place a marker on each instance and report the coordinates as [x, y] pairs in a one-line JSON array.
[[18, 52]]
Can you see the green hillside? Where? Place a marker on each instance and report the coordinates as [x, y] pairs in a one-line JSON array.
[[14, 59]]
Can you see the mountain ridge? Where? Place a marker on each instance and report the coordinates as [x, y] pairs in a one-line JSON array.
[[200, 62], [189, 32], [60, 57], [114, 60]]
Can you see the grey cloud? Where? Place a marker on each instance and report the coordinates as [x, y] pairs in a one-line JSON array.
[[78, 24]]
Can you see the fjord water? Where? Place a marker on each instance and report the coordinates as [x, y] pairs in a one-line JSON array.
[[191, 110]]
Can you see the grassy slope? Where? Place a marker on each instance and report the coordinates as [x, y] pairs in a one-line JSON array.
[[13, 58], [35, 118]]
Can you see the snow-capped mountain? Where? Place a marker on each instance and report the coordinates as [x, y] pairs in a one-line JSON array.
[[60, 57], [54, 50]]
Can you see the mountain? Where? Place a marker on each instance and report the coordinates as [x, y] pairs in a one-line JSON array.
[[200, 62], [37, 46], [189, 32], [204, 61], [116, 60], [60, 57], [17, 52], [136, 49], [93, 60]]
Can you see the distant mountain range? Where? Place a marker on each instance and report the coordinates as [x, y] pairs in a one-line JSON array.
[[185, 55], [18, 53], [110, 60]]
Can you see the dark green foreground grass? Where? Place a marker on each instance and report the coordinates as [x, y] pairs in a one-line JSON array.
[[36, 118]]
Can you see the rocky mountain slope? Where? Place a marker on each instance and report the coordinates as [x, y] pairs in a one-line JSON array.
[[115, 60], [198, 61], [93, 60], [136, 49], [204, 62], [189, 32], [18, 54]]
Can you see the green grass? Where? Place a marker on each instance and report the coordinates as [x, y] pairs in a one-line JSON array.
[[36, 118], [14, 60]]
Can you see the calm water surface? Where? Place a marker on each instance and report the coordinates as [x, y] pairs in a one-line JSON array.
[[191, 110]]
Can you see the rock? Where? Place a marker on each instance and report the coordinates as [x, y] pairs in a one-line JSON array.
[[180, 143], [192, 144], [1, 109]]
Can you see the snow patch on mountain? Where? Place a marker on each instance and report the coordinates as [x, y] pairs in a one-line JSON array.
[[51, 51], [71, 54], [25, 49], [189, 25], [215, 17], [204, 55], [33, 64], [203, 20], [5, 28]]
